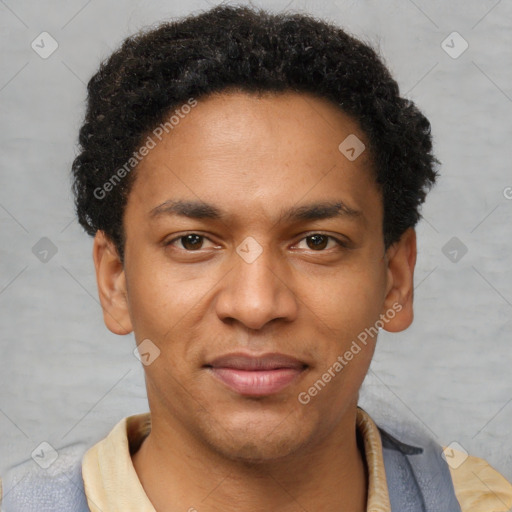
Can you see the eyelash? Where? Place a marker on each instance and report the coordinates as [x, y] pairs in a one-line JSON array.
[[340, 243]]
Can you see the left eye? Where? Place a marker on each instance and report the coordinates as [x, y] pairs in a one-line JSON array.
[[319, 242]]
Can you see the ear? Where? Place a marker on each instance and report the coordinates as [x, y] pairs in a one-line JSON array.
[[401, 260], [111, 281]]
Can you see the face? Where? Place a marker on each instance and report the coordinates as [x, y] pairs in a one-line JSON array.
[[254, 260]]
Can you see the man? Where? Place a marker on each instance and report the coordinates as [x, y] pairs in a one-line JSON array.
[[252, 183]]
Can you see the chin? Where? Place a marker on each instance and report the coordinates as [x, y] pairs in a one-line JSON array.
[[259, 450], [258, 441]]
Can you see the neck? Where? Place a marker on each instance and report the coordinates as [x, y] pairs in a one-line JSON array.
[[179, 473]]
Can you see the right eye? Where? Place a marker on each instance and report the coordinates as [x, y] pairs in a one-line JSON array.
[[189, 242]]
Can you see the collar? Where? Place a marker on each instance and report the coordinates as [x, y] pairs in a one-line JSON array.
[[111, 482]]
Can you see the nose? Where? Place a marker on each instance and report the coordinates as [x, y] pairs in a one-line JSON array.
[[258, 292]]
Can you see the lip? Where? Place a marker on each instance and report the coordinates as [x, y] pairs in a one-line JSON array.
[[252, 375]]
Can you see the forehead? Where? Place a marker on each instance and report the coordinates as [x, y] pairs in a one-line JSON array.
[[246, 151], [258, 123]]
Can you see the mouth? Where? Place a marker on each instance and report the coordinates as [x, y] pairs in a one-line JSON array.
[[250, 375]]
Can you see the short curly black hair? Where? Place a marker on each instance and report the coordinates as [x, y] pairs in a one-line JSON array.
[[255, 51]]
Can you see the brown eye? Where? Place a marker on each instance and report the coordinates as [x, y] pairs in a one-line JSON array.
[[320, 242], [191, 242], [317, 242]]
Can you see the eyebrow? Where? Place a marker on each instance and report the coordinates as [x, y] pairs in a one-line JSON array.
[[308, 212], [319, 210]]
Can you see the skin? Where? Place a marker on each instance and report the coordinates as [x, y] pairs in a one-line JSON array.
[[254, 157]]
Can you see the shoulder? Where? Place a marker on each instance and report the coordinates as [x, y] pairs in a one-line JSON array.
[[478, 486], [51, 484]]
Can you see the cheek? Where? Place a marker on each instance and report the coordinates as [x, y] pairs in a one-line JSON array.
[[159, 296], [150, 303], [345, 343], [347, 300]]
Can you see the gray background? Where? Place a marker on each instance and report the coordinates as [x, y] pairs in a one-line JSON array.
[[65, 377]]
